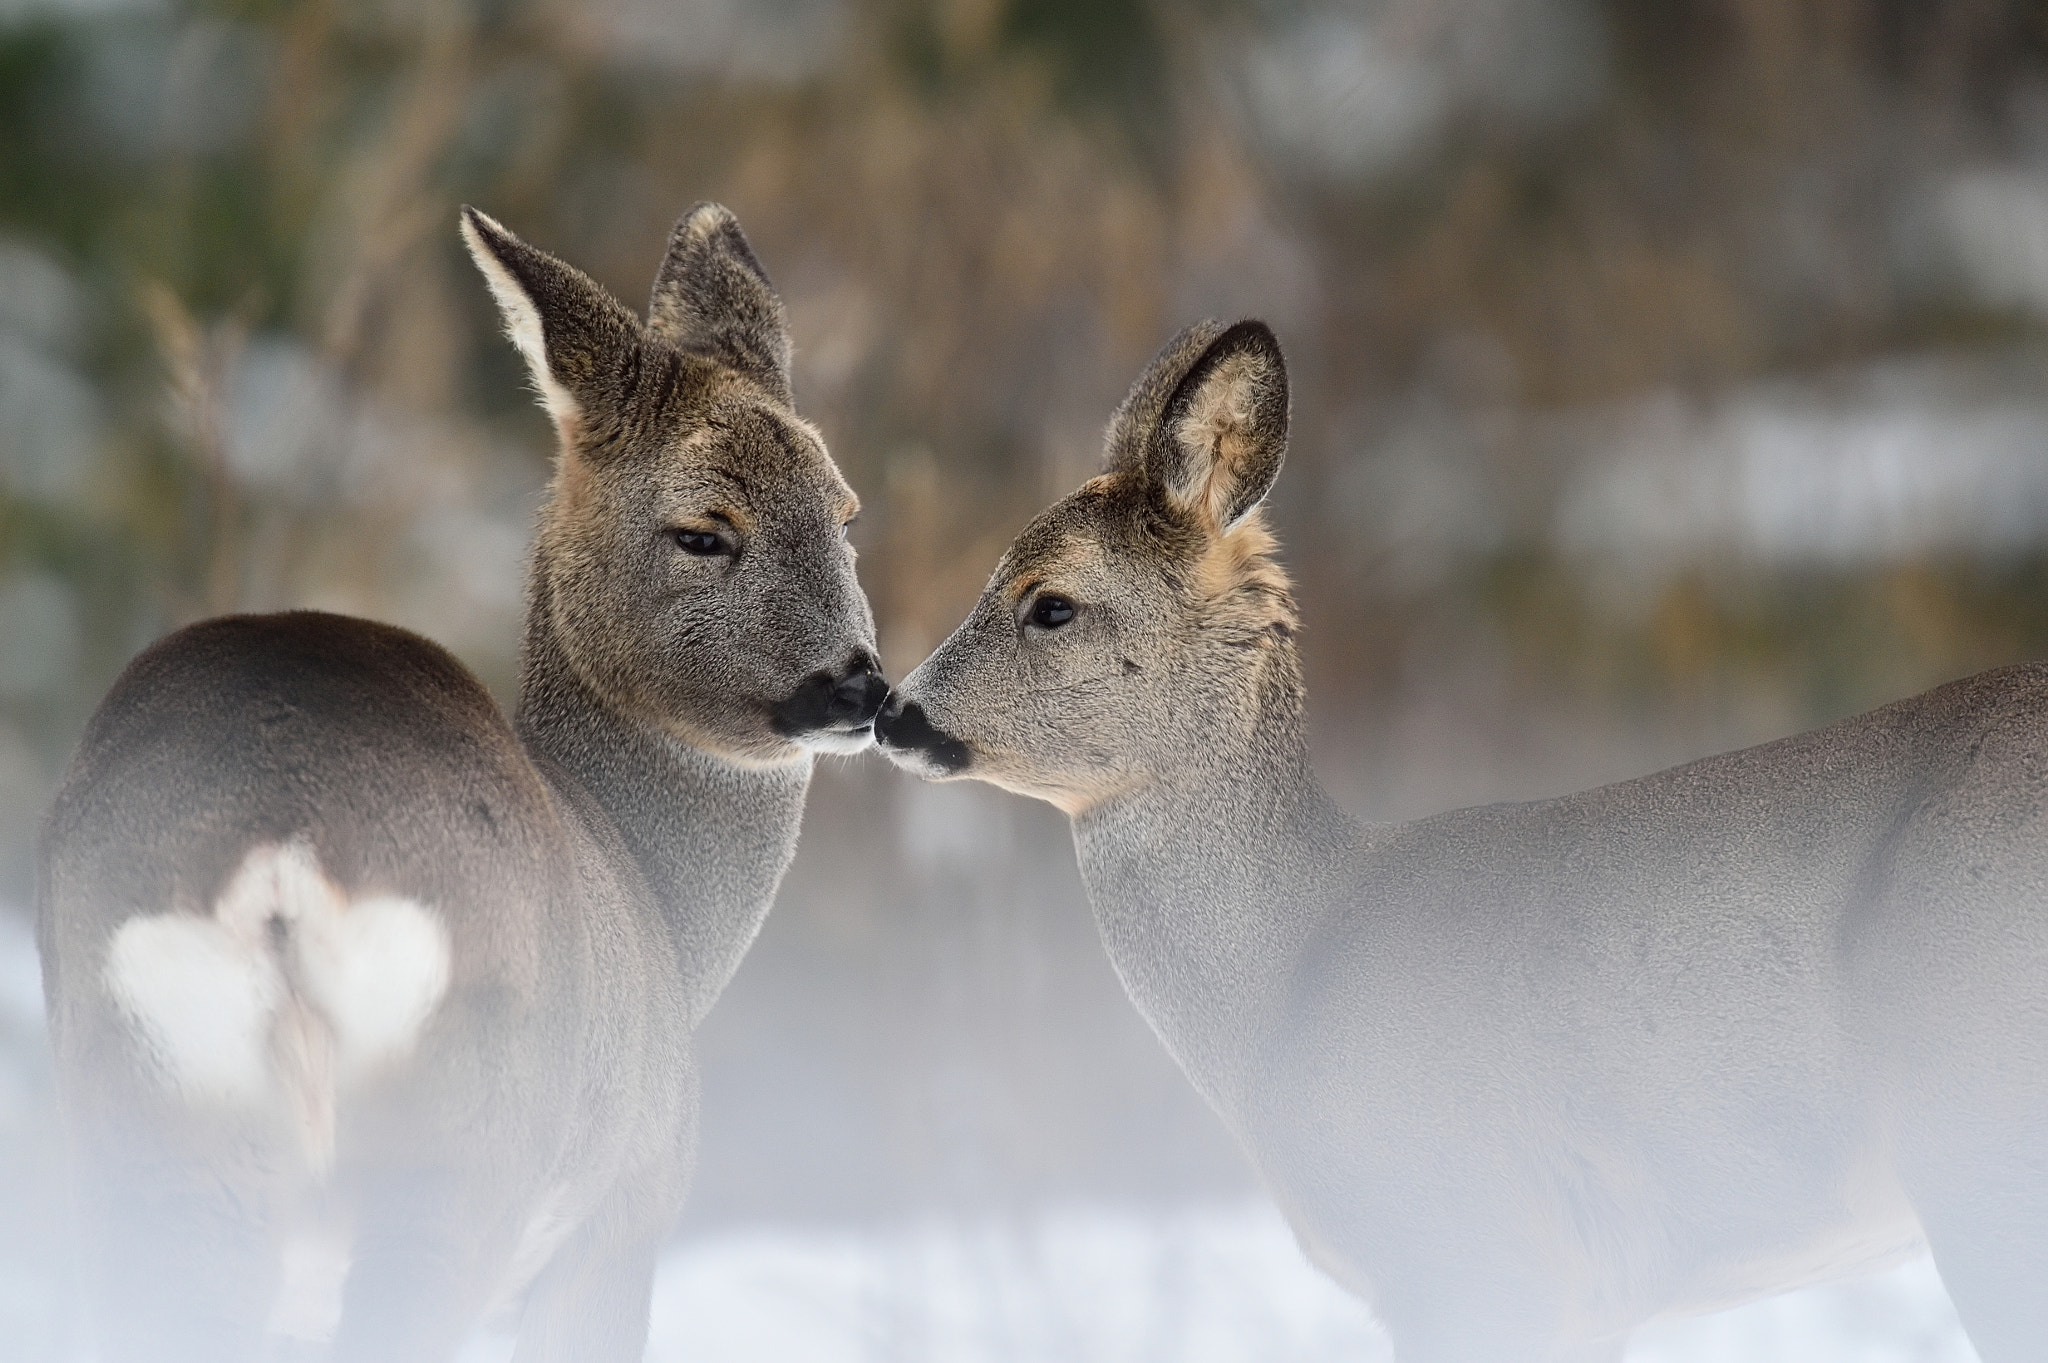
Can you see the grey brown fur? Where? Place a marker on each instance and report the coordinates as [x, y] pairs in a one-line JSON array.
[[599, 865], [1527, 1075]]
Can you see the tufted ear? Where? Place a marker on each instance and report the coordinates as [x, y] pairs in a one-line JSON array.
[[1206, 423], [577, 339], [712, 298]]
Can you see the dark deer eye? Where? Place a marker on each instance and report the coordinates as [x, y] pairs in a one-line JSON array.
[[703, 543], [1050, 612]]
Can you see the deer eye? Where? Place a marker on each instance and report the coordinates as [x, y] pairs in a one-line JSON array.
[[1050, 612], [703, 543]]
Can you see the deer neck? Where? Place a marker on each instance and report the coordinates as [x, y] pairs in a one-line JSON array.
[[709, 837], [1209, 877]]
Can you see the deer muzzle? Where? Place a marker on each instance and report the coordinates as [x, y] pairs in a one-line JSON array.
[[909, 738], [832, 710]]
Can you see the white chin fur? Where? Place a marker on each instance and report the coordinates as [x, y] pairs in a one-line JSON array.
[[915, 762], [838, 741]]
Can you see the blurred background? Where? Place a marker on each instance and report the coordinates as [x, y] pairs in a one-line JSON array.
[[1669, 375]]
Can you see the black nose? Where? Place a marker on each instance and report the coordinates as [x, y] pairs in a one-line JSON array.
[[858, 696], [845, 700], [904, 724]]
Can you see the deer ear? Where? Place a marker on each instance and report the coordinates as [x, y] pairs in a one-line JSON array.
[[1221, 432], [712, 298], [576, 337]]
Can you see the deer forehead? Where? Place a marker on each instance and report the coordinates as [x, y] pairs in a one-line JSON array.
[[743, 468], [1068, 559], [1095, 537]]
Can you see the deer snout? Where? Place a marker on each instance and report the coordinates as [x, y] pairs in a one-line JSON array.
[[830, 707], [910, 739], [860, 692]]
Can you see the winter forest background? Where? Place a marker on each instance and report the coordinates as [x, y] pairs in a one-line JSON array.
[[1669, 375]]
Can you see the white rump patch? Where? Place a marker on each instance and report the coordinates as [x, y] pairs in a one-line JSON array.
[[375, 972], [202, 1000], [286, 993]]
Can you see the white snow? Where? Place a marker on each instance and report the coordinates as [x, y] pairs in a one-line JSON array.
[[1206, 1284]]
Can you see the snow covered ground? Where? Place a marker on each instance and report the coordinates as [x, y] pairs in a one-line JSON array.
[[1215, 1283], [1218, 1284]]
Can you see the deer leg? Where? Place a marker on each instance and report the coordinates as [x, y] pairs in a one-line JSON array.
[[1961, 1047], [1478, 1345], [1975, 1165], [181, 1263], [429, 1250], [1444, 1333], [590, 1303], [1991, 1245], [1500, 1314]]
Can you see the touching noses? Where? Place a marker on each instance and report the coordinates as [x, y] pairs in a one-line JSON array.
[[858, 695], [843, 702], [903, 728]]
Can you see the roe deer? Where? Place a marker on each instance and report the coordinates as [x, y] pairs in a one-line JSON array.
[[1526, 1075], [345, 970]]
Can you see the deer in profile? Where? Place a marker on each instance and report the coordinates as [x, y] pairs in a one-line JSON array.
[[345, 971], [1528, 1075]]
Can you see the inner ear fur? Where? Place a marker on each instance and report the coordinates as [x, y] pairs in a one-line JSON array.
[[1221, 433], [712, 298], [577, 339]]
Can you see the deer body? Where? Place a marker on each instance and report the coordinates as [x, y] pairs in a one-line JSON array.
[[1526, 1075], [373, 1010]]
